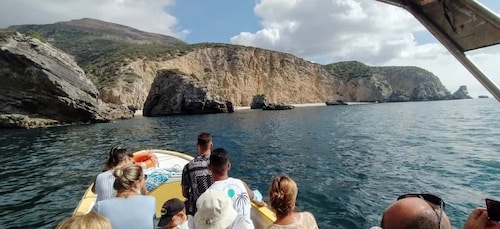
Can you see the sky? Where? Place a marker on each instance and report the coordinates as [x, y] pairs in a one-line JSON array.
[[322, 31]]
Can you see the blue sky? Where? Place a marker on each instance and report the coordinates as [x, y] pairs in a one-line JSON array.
[[208, 23], [322, 31]]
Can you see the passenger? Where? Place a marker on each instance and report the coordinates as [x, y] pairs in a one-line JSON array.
[[478, 219], [215, 211], [103, 185], [173, 215], [91, 220], [282, 198], [235, 189], [420, 211], [196, 178], [129, 209]]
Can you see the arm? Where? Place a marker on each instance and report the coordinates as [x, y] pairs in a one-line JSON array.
[[251, 196], [185, 181]]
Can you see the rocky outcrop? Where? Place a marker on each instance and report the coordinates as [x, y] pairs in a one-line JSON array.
[[42, 86], [412, 84], [258, 101], [277, 106], [173, 92], [461, 93]]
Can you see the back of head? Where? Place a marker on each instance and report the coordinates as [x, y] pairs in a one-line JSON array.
[[218, 161], [413, 213], [126, 176], [116, 156], [204, 141], [88, 221], [282, 195]]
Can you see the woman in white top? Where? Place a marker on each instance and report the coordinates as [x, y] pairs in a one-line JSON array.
[[282, 198], [103, 185], [129, 209]]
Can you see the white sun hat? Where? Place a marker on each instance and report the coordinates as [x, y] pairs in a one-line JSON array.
[[215, 210]]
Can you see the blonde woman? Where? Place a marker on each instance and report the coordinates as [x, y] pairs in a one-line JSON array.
[[91, 220], [128, 209], [282, 198]]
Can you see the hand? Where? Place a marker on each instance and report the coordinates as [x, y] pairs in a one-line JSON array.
[[477, 219], [492, 225], [260, 203]]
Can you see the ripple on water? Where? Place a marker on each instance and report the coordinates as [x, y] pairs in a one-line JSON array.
[[349, 162]]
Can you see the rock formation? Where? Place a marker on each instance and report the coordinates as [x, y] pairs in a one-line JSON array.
[[173, 92], [461, 93], [42, 86]]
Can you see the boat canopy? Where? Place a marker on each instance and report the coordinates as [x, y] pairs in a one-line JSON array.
[[461, 26]]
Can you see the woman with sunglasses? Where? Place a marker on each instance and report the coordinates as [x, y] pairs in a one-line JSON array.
[[128, 209], [282, 198], [103, 185]]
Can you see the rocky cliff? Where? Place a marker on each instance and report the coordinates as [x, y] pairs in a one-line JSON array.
[[42, 86], [239, 73], [124, 69]]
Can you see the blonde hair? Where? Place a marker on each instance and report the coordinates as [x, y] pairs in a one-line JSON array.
[[282, 195], [126, 176], [91, 220]]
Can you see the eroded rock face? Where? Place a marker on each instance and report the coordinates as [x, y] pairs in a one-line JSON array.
[[461, 93], [172, 92], [42, 86]]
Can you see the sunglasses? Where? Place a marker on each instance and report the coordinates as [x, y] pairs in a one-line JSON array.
[[431, 199]]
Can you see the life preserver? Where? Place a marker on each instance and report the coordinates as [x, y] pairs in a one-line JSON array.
[[146, 160]]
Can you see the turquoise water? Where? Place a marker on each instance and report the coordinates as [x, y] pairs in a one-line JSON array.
[[350, 162]]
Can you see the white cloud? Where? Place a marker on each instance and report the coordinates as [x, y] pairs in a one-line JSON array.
[[146, 15], [365, 30]]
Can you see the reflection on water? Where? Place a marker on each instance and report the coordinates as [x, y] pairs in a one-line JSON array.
[[350, 162]]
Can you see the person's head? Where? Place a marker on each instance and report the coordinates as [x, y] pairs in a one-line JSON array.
[[87, 221], [215, 210], [282, 195], [219, 162], [118, 156], [204, 143], [416, 211], [173, 213], [128, 177]]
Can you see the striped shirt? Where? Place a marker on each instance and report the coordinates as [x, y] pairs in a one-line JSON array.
[[196, 178], [104, 185]]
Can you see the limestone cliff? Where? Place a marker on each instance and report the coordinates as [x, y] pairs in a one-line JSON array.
[[239, 73], [42, 86]]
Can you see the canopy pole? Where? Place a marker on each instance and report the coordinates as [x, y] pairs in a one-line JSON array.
[[449, 44]]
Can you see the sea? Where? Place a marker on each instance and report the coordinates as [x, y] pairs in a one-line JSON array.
[[350, 162]]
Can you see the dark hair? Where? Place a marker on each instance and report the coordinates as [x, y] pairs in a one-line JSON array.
[[218, 160], [204, 140], [116, 155]]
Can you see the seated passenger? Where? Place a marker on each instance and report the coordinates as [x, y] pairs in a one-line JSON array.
[[173, 215], [420, 211], [90, 220], [215, 211], [103, 185], [282, 198], [129, 209], [235, 189]]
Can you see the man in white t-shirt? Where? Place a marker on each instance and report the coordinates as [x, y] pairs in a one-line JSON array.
[[236, 189]]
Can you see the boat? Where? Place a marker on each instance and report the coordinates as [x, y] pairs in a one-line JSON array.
[[172, 162], [461, 26]]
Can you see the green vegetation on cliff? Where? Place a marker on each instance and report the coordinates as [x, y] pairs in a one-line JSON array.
[[349, 69]]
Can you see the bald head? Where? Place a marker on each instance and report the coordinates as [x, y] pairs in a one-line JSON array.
[[413, 213]]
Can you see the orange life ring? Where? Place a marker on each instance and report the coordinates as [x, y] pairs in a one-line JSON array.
[[146, 160]]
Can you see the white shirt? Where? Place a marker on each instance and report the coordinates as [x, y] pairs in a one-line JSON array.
[[237, 191]]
